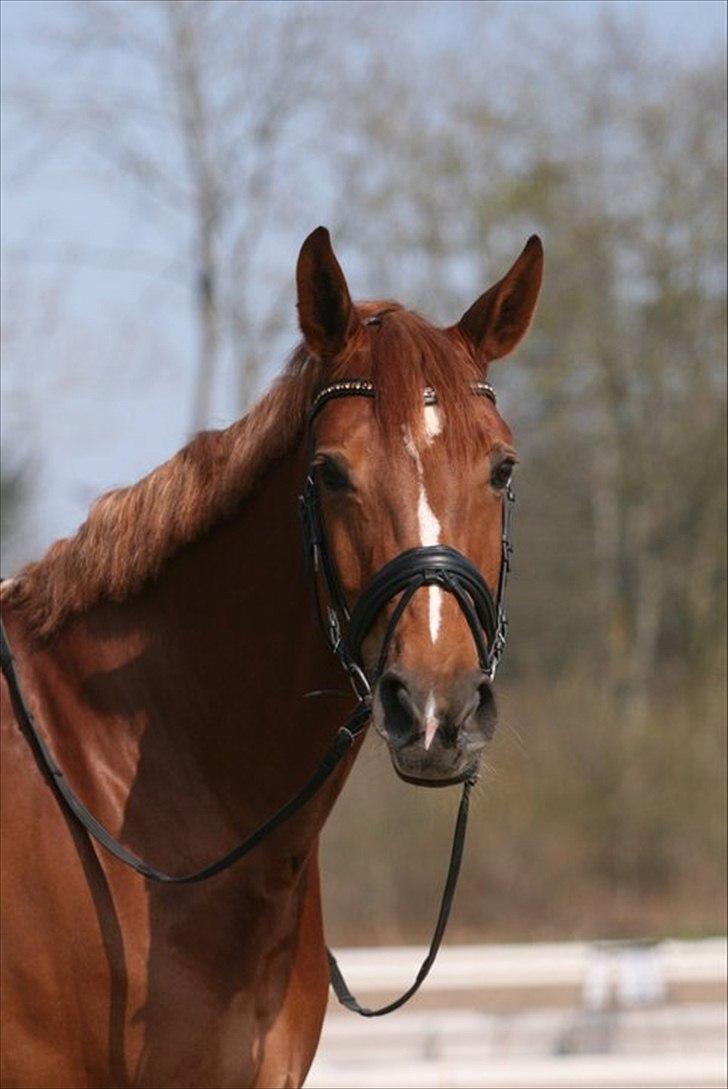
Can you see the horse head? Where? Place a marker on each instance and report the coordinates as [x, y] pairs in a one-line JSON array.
[[412, 477]]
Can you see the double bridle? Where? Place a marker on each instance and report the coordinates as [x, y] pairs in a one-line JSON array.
[[345, 629]]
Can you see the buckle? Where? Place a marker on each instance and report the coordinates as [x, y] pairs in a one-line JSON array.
[[359, 681], [334, 626]]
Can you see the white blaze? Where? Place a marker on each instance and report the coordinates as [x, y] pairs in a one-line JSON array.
[[429, 525], [430, 720], [433, 422], [428, 522]]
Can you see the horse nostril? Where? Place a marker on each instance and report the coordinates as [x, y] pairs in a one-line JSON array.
[[400, 715]]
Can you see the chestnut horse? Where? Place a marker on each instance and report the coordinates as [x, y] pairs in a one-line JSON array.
[[164, 652]]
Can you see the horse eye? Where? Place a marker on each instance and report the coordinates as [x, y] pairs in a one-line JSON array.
[[500, 476], [333, 476]]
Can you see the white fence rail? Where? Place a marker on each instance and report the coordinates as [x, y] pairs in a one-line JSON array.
[[500, 1018], [546, 964]]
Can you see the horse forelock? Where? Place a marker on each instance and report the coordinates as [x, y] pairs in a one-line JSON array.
[[402, 354]]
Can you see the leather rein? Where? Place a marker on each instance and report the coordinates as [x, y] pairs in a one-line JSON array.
[[344, 630]]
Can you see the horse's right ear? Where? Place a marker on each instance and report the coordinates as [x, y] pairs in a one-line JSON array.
[[325, 311]]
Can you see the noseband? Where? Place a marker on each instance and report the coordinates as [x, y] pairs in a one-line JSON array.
[[346, 628], [345, 631]]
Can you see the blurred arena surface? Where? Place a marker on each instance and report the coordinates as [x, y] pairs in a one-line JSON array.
[[562, 1014]]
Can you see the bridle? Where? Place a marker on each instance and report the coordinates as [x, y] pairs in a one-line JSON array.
[[345, 629]]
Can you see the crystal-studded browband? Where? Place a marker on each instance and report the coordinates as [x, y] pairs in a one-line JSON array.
[[360, 387]]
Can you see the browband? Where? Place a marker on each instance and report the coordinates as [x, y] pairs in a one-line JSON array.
[[362, 387]]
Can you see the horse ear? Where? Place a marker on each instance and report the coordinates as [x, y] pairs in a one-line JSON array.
[[325, 311], [497, 321]]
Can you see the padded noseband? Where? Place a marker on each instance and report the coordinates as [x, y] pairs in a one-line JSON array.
[[432, 565]]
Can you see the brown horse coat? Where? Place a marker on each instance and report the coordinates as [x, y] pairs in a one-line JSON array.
[[169, 720]]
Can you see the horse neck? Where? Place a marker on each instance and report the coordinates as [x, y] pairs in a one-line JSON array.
[[192, 691]]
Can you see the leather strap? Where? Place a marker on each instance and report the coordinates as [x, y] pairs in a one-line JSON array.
[[342, 742], [342, 992]]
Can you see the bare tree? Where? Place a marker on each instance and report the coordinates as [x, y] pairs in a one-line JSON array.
[[617, 156], [192, 103]]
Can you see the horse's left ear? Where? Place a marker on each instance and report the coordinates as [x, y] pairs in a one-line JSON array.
[[325, 311], [497, 321]]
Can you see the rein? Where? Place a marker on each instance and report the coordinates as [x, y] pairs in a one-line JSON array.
[[344, 631]]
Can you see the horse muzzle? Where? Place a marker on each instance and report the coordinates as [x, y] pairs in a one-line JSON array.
[[435, 736]]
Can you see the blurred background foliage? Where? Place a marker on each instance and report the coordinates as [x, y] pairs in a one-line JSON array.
[[432, 139]]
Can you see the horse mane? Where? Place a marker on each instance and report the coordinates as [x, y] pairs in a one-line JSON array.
[[130, 533]]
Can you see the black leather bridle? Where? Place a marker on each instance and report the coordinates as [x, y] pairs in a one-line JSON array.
[[345, 630]]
